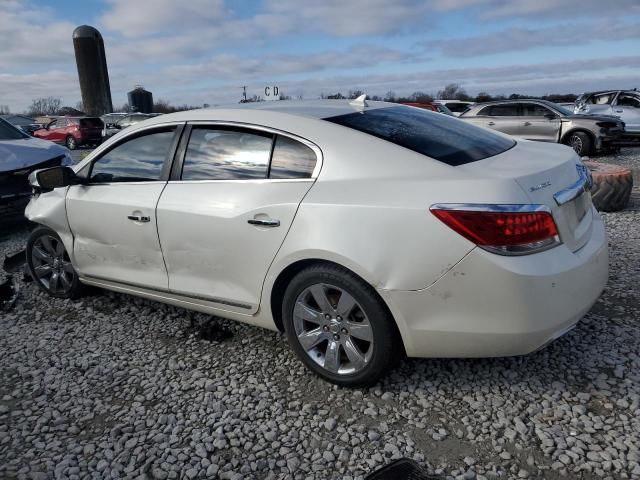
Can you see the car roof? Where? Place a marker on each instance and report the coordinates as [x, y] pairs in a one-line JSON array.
[[314, 109]]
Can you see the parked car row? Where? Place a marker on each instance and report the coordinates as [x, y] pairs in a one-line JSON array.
[[548, 122], [113, 122]]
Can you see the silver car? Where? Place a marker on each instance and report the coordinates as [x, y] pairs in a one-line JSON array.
[[620, 103], [548, 122]]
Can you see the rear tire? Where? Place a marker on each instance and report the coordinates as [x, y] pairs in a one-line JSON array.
[[612, 186], [50, 266], [339, 327], [580, 142], [71, 143]]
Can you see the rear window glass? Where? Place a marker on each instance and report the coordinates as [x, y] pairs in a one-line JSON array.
[[444, 138], [90, 122]]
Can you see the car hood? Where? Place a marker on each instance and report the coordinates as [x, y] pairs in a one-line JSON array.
[[597, 118], [25, 152]]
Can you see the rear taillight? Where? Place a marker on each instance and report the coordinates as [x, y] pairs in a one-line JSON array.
[[502, 229]]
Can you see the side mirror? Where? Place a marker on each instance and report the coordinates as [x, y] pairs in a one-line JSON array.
[[54, 177]]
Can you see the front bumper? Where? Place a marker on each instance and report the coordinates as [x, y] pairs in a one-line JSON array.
[[490, 306]]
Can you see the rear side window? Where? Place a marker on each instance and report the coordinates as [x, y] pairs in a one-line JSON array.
[[444, 138], [508, 110], [292, 159], [535, 110], [223, 154], [90, 122]]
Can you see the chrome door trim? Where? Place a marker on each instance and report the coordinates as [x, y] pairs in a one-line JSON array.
[[171, 292]]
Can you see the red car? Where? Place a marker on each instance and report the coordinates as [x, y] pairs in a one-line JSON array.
[[434, 107], [72, 131]]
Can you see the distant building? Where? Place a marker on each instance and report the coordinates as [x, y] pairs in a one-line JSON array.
[[140, 100]]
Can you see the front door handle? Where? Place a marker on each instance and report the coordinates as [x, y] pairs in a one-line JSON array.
[[139, 218], [264, 222], [491, 124], [526, 124]]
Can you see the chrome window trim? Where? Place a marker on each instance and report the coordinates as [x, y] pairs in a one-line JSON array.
[[576, 189], [247, 180], [261, 128], [492, 207]]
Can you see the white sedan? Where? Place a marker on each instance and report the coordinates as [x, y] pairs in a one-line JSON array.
[[365, 231]]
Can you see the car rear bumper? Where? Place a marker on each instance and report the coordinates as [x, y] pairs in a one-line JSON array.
[[489, 305]]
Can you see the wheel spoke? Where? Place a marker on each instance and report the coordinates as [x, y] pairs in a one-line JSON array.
[[48, 246], [59, 248], [320, 296], [355, 355], [54, 282], [43, 270], [332, 357], [345, 304], [361, 330], [68, 268], [306, 313], [310, 339], [66, 283], [40, 254]]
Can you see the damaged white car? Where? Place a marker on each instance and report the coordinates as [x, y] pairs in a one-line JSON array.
[[365, 231]]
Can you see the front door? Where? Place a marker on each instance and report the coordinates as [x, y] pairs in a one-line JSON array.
[[540, 123], [223, 217], [627, 107], [113, 215]]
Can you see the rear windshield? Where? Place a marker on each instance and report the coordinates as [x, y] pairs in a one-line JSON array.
[[444, 138], [91, 122]]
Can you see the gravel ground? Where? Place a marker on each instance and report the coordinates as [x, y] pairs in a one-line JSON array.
[[113, 386]]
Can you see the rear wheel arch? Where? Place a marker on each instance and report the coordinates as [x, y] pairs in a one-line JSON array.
[[286, 276]]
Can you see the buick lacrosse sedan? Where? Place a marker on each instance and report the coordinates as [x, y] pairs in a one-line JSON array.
[[365, 231]]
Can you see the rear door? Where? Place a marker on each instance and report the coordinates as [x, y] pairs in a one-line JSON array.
[[627, 107], [224, 214], [113, 216], [540, 123], [506, 118]]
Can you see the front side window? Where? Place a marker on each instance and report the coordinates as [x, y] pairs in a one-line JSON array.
[[292, 159], [140, 159], [627, 100], [535, 110], [226, 154], [438, 136]]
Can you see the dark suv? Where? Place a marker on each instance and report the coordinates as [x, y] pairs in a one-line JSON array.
[[73, 131]]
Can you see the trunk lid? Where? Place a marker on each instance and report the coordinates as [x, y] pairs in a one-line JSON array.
[[544, 170]]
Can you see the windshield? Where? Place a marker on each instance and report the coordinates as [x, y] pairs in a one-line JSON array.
[[444, 138], [9, 132]]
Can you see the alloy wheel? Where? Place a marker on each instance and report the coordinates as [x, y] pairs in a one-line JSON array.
[[333, 329], [51, 264], [576, 143]]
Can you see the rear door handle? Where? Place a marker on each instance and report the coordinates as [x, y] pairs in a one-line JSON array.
[[266, 222], [526, 124], [491, 124], [139, 218]]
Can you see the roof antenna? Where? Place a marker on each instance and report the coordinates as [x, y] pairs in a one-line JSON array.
[[360, 102]]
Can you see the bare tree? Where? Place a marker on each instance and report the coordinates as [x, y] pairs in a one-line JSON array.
[[355, 93], [44, 106], [336, 96], [390, 96], [421, 97], [453, 91]]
